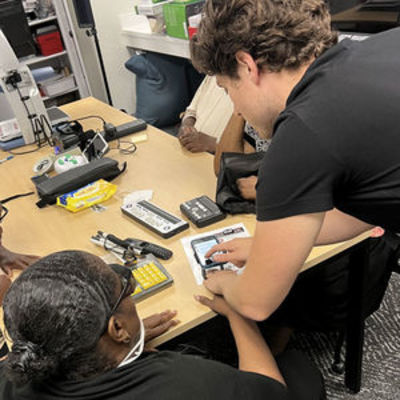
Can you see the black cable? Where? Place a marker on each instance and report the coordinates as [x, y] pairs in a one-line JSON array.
[[128, 150], [23, 152], [91, 116], [16, 196]]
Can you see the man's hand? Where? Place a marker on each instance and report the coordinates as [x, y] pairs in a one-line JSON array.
[[195, 141], [235, 251], [218, 304], [157, 324], [247, 187], [216, 280]]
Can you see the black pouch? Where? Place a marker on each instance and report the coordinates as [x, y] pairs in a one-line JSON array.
[[49, 189], [232, 167]]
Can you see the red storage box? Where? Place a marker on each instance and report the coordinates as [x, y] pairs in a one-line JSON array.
[[50, 43], [192, 31]]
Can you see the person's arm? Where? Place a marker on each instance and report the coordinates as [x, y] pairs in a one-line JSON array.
[[254, 353], [231, 140], [187, 125], [190, 115], [339, 226], [10, 260], [5, 283], [278, 251]]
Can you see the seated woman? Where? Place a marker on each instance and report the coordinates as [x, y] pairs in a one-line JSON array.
[[205, 118], [77, 334]]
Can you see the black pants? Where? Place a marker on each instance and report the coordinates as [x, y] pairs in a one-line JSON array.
[[318, 300], [302, 377]]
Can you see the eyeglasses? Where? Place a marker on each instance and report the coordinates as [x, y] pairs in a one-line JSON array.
[[3, 212], [128, 284]]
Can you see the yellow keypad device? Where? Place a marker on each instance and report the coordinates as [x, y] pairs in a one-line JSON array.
[[150, 277]]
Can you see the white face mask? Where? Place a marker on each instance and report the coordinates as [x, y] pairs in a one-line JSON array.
[[136, 350]]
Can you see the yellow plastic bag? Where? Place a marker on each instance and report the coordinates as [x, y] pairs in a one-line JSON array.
[[87, 196]]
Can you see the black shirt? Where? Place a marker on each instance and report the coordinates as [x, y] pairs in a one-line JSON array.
[[164, 375], [337, 143]]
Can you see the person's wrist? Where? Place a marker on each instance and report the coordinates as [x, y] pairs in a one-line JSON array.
[[188, 121], [235, 318]]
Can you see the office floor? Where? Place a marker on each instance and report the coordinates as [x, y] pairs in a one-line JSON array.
[[381, 364]]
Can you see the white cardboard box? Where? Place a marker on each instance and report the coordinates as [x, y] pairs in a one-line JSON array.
[[54, 87], [151, 10]]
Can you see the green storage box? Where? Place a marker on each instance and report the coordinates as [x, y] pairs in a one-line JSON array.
[[176, 16]]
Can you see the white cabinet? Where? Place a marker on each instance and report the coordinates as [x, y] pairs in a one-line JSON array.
[[68, 62]]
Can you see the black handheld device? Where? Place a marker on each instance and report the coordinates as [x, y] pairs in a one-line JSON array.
[[202, 211], [200, 248], [150, 248], [96, 148], [141, 247]]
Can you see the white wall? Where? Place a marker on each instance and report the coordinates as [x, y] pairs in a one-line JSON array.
[[115, 53]]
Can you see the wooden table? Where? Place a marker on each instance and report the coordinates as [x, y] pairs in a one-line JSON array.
[[174, 174], [362, 20]]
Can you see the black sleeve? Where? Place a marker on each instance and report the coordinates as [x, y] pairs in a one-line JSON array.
[[302, 377], [298, 173], [214, 380]]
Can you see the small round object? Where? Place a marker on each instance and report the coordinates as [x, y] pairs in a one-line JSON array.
[[44, 165]]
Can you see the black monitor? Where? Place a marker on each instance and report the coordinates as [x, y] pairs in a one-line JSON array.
[[15, 27], [84, 14]]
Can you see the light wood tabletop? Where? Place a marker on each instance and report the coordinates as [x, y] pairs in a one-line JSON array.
[[159, 164], [358, 14]]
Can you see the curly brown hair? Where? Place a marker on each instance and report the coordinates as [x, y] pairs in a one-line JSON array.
[[276, 33]]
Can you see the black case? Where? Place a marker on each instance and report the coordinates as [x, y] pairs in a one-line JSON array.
[[51, 188]]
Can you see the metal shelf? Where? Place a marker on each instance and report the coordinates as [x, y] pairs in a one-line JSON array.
[[74, 89], [42, 20], [156, 42], [39, 59]]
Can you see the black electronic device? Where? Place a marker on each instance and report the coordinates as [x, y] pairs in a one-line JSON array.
[[84, 13], [126, 129], [156, 219], [15, 27], [150, 276], [200, 248], [150, 248], [139, 247], [96, 148], [68, 134], [202, 211]]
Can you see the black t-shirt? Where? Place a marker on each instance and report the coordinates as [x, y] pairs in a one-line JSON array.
[[164, 375], [337, 143]]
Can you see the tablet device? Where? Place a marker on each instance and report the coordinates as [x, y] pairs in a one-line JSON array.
[[96, 148]]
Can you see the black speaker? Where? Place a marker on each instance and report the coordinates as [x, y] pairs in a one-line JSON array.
[[15, 27], [84, 13]]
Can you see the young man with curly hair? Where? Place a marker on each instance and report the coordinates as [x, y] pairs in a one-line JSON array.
[[333, 168]]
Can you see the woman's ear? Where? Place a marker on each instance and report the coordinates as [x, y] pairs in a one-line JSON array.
[[117, 330]]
